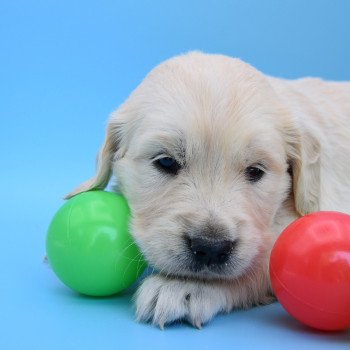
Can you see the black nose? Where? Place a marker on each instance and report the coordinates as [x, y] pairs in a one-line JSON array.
[[208, 252]]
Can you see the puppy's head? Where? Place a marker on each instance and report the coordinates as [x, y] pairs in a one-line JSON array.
[[201, 151]]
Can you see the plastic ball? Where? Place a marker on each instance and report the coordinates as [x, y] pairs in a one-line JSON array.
[[89, 246], [310, 270]]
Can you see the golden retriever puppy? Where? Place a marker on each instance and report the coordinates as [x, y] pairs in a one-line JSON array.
[[215, 159]]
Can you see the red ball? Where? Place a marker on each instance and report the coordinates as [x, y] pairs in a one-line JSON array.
[[310, 270]]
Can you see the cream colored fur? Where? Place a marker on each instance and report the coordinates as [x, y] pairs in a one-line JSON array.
[[217, 116]]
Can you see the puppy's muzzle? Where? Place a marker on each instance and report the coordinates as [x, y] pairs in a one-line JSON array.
[[207, 252]]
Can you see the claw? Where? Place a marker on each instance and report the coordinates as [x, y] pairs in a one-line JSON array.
[[198, 325], [161, 326]]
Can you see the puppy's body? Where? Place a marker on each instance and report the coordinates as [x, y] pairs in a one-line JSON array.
[[215, 159], [322, 109]]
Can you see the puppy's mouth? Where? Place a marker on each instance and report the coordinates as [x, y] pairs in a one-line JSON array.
[[211, 271]]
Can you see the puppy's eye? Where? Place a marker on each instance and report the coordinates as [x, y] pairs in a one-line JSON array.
[[167, 165], [254, 173]]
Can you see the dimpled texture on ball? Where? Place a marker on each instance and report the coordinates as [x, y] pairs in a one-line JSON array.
[[89, 246]]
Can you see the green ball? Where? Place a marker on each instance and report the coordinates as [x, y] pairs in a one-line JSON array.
[[89, 246]]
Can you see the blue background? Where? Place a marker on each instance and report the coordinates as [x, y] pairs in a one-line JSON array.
[[64, 66]]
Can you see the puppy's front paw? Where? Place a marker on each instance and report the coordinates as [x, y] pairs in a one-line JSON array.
[[163, 300]]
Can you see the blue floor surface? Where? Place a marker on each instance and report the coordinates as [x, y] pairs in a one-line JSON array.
[[38, 312]]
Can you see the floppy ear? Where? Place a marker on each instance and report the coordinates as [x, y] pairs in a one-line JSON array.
[[306, 173], [104, 163]]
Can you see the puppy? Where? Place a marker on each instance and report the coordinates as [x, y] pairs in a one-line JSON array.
[[215, 160]]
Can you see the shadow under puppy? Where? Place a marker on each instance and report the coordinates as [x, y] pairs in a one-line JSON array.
[[215, 160]]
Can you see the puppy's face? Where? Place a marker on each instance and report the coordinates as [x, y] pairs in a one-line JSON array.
[[202, 161]]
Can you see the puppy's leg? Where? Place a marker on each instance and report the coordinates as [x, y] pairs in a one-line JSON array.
[[162, 300]]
